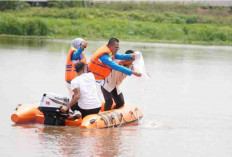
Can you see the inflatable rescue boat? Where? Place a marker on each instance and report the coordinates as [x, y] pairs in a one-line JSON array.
[[48, 112]]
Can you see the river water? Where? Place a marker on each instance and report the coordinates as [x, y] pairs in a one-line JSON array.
[[186, 102]]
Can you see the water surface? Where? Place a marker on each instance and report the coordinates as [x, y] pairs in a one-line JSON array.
[[186, 102]]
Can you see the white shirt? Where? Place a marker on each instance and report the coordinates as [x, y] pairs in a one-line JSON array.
[[113, 80], [88, 91]]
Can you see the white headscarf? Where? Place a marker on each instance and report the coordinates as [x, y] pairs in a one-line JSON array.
[[76, 42]]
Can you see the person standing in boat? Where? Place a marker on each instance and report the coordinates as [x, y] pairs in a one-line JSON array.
[[110, 88], [85, 92], [103, 61], [75, 55]]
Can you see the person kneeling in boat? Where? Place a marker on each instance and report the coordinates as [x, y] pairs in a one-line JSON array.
[[85, 92], [75, 54], [110, 88]]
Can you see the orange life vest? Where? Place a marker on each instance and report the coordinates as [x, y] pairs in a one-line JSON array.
[[70, 71], [100, 70]]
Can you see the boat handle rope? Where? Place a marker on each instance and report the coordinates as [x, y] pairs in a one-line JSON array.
[[124, 118], [136, 110], [96, 121], [113, 119], [132, 113], [105, 120], [121, 120]]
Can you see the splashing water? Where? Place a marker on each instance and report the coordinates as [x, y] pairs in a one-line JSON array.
[[147, 123]]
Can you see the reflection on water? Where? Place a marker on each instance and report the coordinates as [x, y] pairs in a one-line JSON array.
[[186, 102], [53, 140], [32, 43]]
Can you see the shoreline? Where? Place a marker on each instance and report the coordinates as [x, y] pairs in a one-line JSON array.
[[159, 43]]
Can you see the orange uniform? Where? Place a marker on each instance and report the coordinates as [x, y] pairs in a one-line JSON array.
[[100, 71], [70, 72]]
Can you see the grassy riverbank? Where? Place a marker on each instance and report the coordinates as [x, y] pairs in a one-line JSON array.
[[192, 25]]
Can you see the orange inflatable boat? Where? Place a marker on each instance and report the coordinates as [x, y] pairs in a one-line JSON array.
[[32, 113]]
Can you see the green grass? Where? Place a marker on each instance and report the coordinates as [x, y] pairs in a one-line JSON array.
[[136, 25]]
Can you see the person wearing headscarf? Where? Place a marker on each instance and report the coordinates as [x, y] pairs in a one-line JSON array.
[[75, 55]]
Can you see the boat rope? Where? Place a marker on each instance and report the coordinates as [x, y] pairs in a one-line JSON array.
[[113, 122], [124, 118], [132, 113], [104, 119], [136, 111], [95, 121], [121, 120], [113, 119]]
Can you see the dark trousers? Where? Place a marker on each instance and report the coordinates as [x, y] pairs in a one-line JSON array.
[[85, 112], [110, 96]]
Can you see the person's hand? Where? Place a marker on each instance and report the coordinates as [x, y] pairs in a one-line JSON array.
[[137, 74], [64, 109], [84, 44], [133, 56]]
